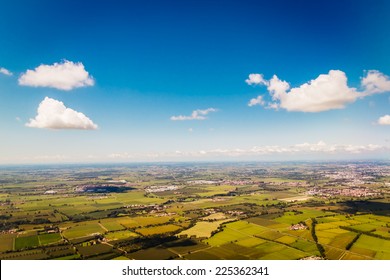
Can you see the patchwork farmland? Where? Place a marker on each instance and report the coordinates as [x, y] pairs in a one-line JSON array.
[[196, 211]]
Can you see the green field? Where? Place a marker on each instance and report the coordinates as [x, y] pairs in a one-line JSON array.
[[148, 221], [111, 225], [158, 230], [26, 242], [49, 238], [120, 235], [203, 229], [93, 250], [372, 247], [80, 230]]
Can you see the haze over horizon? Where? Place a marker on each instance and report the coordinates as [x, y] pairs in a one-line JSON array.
[[130, 81]]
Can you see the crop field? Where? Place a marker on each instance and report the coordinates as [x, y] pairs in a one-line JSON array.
[[149, 221], [327, 236], [354, 256], [215, 190], [26, 242], [342, 240], [250, 242], [185, 246], [157, 230], [111, 225], [120, 235], [93, 250], [372, 247], [228, 235], [153, 254], [365, 227], [263, 222], [203, 229], [296, 217], [282, 253], [215, 216], [81, 230], [270, 234], [49, 238], [7, 242], [286, 239], [305, 246]]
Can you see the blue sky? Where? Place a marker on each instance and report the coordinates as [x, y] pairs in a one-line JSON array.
[[140, 64]]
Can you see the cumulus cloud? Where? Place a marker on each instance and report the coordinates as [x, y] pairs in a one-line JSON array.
[[256, 79], [5, 71], [326, 92], [196, 115], [53, 114], [385, 120], [66, 75], [375, 82], [256, 101]]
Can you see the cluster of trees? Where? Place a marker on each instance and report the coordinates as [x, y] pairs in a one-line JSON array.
[[315, 238]]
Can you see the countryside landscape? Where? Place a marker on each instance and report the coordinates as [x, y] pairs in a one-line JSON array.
[[196, 211]]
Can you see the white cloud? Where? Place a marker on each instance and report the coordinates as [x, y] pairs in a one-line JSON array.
[[375, 82], [256, 101], [51, 157], [5, 71], [196, 115], [120, 156], [385, 120], [66, 75], [256, 79], [53, 114], [298, 150], [326, 92], [277, 88]]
